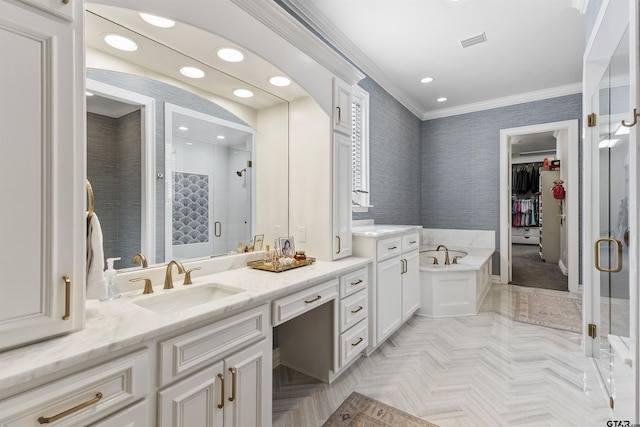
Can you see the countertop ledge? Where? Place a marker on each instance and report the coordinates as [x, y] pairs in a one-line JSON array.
[[120, 323], [380, 230]]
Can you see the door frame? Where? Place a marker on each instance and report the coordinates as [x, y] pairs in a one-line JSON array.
[[147, 160], [571, 202]]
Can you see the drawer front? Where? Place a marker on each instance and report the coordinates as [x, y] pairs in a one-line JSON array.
[[353, 309], [388, 248], [353, 282], [193, 350], [294, 305], [353, 342], [134, 416], [410, 242], [81, 398]]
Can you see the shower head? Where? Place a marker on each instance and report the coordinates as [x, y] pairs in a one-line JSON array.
[[240, 172]]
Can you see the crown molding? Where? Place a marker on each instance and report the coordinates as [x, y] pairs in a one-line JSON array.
[[319, 23], [506, 101], [286, 26]]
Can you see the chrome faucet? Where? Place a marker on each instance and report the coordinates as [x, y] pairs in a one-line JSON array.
[[168, 280], [140, 258], [446, 254]]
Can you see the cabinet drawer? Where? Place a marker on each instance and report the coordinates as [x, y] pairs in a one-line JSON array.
[[294, 305], [388, 248], [133, 416], [86, 396], [410, 241], [195, 349], [353, 309], [353, 282], [353, 342]]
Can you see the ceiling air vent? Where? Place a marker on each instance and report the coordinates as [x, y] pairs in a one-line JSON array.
[[480, 38]]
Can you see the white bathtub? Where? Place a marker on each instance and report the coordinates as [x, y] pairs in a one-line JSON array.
[[455, 289]]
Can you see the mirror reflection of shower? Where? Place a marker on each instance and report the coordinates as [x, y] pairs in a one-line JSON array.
[[207, 211]]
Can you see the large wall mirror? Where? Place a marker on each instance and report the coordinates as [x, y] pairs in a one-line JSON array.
[[180, 167]]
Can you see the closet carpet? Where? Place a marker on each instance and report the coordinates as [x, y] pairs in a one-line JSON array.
[[529, 270]]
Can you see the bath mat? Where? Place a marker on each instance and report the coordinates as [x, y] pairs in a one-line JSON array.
[[358, 410], [552, 311]]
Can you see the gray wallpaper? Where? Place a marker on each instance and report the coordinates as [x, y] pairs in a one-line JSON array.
[[461, 158], [162, 93], [395, 167]]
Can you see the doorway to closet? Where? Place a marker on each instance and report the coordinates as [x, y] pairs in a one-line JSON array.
[[539, 234], [536, 260]]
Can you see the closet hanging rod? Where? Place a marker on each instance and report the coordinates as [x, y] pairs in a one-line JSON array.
[[89, 198]]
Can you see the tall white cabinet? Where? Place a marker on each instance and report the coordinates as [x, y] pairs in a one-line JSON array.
[[41, 170]]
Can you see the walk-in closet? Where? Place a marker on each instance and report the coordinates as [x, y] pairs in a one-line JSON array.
[[536, 213]]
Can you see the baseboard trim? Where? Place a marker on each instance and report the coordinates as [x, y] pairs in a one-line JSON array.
[[563, 267]]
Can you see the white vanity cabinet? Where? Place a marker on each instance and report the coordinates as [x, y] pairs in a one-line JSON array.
[[394, 294], [341, 107], [341, 183], [83, 397], [231, 385], [42, 228]]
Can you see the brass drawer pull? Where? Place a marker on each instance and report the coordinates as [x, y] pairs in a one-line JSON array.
[[309, 301], [234, 381], [67, 298], [356, 283], [221, 404], [412, 242], [357, 342], [47, 420], [339, 245], [339, 116], [393, 247], [357, 309]]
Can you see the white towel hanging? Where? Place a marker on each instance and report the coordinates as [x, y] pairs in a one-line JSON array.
[[96, 284]]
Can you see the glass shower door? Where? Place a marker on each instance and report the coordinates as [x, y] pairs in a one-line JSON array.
[[611, 248]]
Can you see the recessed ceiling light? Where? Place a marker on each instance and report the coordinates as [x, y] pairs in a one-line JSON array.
[[183, 128], [230, 55], [426, 80], [220, 136], [157, 21], [193, 72], [441, 99], [280, 81], [243, 93], [88, 94], [120, 42]]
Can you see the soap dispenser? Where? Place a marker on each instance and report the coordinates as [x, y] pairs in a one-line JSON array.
[[110, 277]]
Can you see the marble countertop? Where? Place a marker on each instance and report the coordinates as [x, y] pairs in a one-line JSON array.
[[379, 230], [473, 260], [120, 323]]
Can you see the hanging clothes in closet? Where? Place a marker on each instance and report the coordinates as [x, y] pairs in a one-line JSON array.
[[525, 212], [525, 178]]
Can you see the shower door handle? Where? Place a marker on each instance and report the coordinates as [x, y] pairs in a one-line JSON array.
[[217, 229], [597, 255]]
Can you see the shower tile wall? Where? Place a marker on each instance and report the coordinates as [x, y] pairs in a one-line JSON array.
[[162, 93], [190, 208], [461, 159], [114, 170]]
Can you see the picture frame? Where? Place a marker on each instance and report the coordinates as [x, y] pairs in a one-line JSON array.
[[287, 247], [258, 241]]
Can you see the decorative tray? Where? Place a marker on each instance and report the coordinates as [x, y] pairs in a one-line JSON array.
[[262, 265]]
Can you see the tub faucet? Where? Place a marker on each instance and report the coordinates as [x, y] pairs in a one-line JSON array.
[[168, 280], [446, 254]]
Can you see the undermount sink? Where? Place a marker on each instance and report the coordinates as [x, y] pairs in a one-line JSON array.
[[174, 300]]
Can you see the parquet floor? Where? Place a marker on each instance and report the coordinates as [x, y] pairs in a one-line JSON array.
[[484, 370]]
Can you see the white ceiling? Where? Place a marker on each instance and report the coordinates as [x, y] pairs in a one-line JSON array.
[[533, 50]]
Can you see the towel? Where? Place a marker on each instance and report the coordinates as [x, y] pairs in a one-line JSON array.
[[96, 285]]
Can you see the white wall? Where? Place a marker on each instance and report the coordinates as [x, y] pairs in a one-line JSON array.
[[310, 177]]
